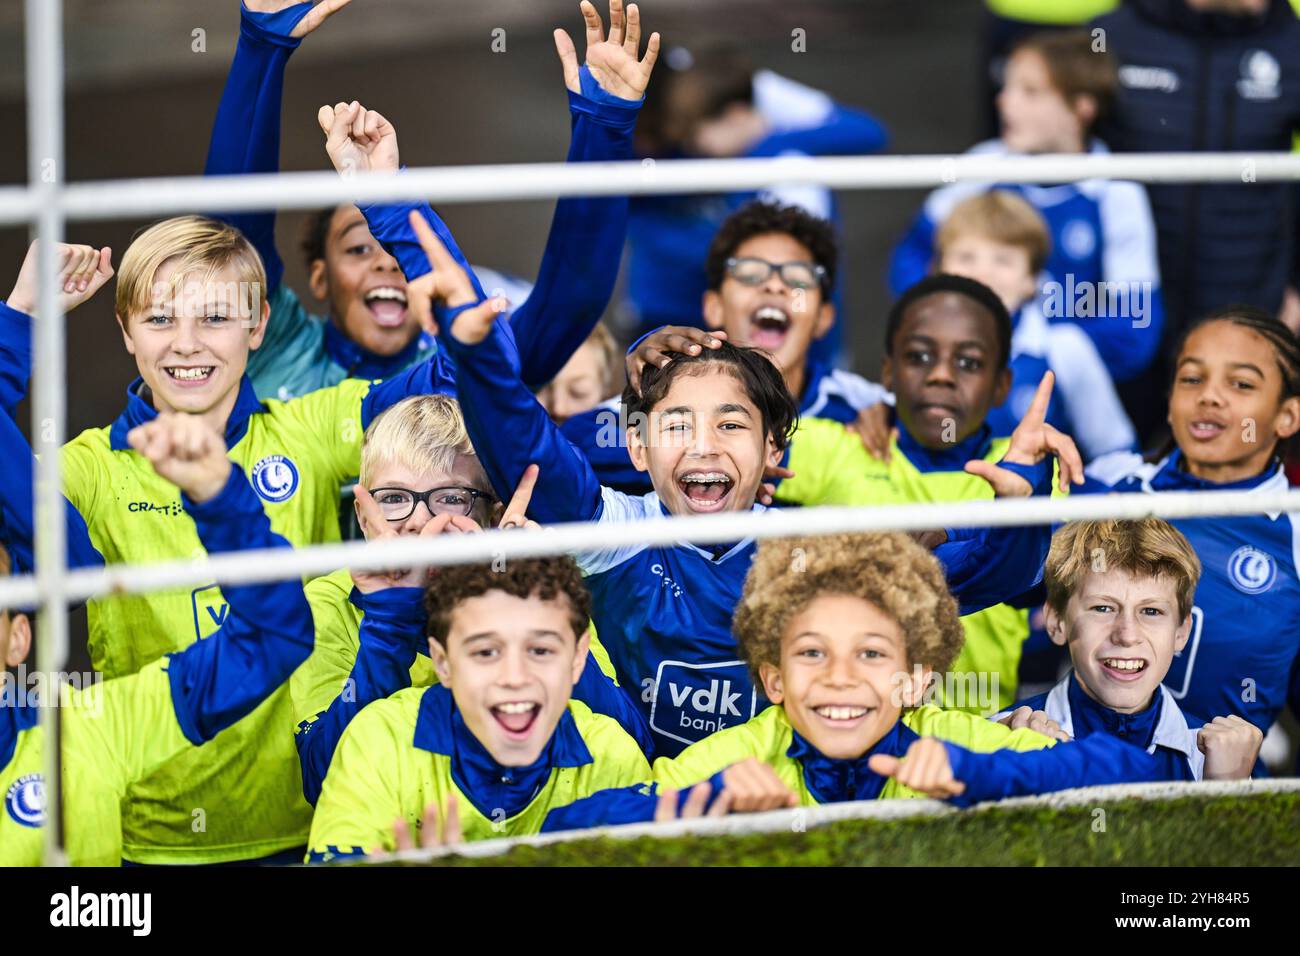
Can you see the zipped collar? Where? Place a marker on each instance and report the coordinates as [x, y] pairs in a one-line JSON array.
[[139, 410], [837, 781], [1172, 475], [951, 458], [440, 729], [359, 362]]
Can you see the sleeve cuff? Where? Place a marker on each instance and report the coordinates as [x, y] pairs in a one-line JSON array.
[[273, 28], [960, 762], [602, 106], [1039, 476], [400, 607]]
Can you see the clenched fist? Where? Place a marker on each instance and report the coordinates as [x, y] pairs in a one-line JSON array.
[[1231, 747], [185, 450]]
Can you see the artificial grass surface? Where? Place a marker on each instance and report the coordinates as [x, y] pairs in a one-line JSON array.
[[1257, 830]]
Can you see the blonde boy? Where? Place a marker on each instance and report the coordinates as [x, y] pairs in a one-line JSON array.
[[190, 305]]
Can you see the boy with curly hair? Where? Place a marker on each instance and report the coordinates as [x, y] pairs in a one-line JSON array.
[[844, 633]]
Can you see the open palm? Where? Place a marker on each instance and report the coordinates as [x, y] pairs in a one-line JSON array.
[[613, 60]]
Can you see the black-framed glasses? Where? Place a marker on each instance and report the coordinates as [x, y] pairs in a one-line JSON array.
[[797, 275], [398, 504]]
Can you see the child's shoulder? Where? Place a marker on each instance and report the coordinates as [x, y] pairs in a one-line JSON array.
[[825, 437], [391, 717], [766, 736], [307, 406], [92, 441], [330, 589], [971, 731], [603, 735]]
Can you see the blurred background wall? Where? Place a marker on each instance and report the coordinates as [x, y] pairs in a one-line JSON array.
[[141, 98]]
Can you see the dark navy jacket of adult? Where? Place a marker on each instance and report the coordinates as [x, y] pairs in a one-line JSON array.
[[1211, 82]]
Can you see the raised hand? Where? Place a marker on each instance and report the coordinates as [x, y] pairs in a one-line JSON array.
[[321, 10], [83, 270], [659, 346], [1231, 747], [377, 527], [1031, 442], [516, 513], [185, 450], [449, 287], [358, 140], [925, 768], [1035, 720], [432, 835], [612, 61]]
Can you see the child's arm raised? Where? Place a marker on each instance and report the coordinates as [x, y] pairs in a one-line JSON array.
[[585, 244], [508, 428], [246, 133], [82, 270], [268, 631], [362, 140], [583, 249], [987, 566]]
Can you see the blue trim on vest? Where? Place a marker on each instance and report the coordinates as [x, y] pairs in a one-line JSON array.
[[1091, 717], [952, 458], [359, 362], [13, 721], [1173, 476], [837, 781], [440, 729], [139, 410]]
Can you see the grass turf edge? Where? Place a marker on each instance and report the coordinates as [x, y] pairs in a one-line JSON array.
[[1256, 830]]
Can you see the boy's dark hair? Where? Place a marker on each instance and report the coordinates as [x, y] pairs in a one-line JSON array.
[[315, 230], [545, 578], [1074, 67], [760, 379], [757, 218], [960, 285], [1286, 348]]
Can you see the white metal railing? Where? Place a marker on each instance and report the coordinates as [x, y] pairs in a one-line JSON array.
[[272, 564], [47, 203]]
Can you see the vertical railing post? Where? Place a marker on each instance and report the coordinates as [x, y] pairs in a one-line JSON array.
[[44, 45]]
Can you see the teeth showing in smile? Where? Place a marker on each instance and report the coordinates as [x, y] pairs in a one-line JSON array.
[[840, 713], [1124, 664], [190, 374], [387, 293], [770, 315], [517, 708], [705, 488]]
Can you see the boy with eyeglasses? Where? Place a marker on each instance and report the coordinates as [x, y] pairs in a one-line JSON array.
[[419, 476], [770, 270]]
